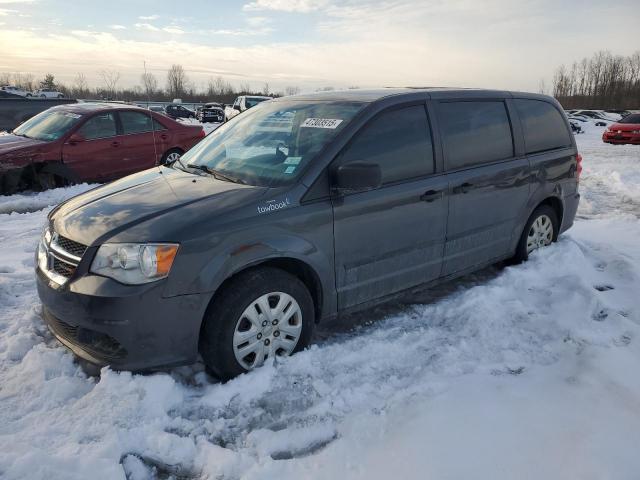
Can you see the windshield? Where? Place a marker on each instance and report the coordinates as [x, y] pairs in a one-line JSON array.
[[253, 101], [271, 144], [634, 118], [48, 125]]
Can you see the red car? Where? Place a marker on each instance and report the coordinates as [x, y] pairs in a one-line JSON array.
[[627, 130], [89, 142]]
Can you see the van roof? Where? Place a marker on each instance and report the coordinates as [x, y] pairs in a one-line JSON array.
[[368, 96]]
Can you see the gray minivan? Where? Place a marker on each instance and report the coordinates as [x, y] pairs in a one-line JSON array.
[[301, 209]]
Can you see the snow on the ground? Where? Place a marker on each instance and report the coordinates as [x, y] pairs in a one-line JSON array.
[[524, 372], [31, 201], [208, 127]]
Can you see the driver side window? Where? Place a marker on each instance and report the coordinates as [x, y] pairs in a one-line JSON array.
[[398, 140], [102, 125]]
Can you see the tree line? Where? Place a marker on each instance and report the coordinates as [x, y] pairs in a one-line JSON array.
[[177, 85], [602, 81]]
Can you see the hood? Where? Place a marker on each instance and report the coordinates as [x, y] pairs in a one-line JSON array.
[[156, 205], [625, 127], [10, 142], [17, 151]]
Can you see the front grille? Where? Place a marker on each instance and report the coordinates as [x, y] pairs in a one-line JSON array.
[[60, 257], [71, 246], [97, 344], [63, 268]]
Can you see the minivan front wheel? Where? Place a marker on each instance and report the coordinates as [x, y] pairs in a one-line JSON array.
[[540, 231], [262, 313]]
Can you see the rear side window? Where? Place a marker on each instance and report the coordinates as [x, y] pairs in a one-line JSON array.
[[135, 122], [102, 125], [399, 141], [138, 122], [474, 133], [543, 125]]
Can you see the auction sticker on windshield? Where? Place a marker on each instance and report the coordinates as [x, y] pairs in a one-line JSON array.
[[321, 123]]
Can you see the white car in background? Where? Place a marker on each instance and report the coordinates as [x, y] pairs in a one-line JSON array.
[[48, 93], [16, 91], [242, 103]]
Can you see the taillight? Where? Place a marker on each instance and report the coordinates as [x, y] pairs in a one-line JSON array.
[[202, 134], [578, 166]]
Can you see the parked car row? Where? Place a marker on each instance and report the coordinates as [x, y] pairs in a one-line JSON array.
[[89, 142], [242, 104], [210, 112], [41, 93], [622, 126]]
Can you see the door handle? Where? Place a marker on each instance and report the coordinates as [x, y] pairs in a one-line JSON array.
[[431, 195], [464, 188], [164, 136], [115, 144]]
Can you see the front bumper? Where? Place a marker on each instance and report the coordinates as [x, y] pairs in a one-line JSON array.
[[125, 327], [621, 138], [211, 118]]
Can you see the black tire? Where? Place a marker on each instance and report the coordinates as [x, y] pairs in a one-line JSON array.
[[46, 181], [521, 250], [224, 313], [164, 159]]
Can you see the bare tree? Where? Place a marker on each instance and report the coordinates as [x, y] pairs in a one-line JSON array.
[[110, 79], [80, 85], [265, 89], [149, 83], [542, 86], [176, 81], [602, 81], [292, 90], [25, 81], [245, 88]]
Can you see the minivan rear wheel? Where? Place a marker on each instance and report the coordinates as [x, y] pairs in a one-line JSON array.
[[540, 231], [260, 314]]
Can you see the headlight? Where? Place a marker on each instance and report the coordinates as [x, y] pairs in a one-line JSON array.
[[134, 263]]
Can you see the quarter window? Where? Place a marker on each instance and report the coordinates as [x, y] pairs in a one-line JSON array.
[[475, 133], [544, 128], [137, 122], [399, 141], [102, 125]]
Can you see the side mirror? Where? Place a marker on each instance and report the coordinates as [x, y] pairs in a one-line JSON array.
[[357, 177], [236, 107], [76, 138]]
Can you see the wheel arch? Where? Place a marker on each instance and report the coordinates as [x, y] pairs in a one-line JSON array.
[[557, 205], [550, 198], [294, 266]]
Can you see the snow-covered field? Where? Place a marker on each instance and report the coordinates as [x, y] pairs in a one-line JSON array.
[[525, 372]]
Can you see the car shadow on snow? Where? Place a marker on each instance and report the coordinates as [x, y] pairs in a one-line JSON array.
[[352, 323]]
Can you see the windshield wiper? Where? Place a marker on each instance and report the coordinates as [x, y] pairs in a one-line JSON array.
[[216, 173], [179, 160]]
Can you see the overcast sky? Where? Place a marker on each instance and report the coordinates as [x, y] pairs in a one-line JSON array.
[[314, 43]]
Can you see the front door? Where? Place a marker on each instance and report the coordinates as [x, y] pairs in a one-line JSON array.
[[95, 154], [392, 238]]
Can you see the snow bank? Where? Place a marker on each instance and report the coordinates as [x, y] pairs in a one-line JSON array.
[[33, 201], [523, 372]]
